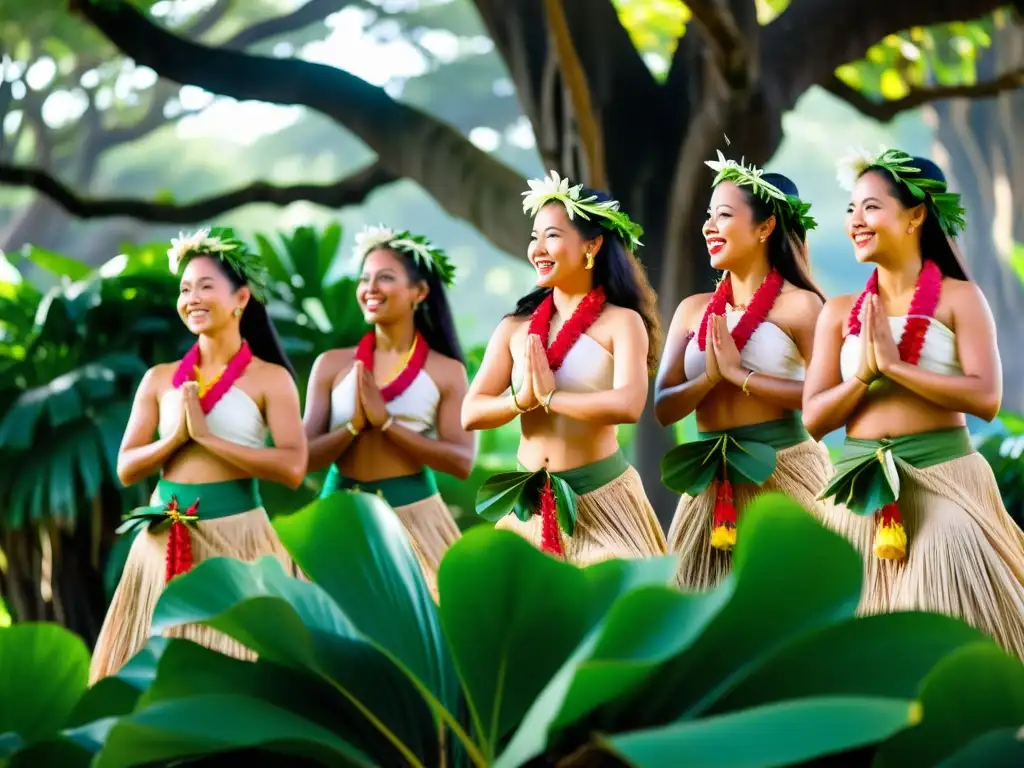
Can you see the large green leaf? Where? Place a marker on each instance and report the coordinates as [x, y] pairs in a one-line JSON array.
[[513, 615], [977, 690], [44, 670], [378, 583], [1003, 748], [58, 264], [780, 734], [295, 624]]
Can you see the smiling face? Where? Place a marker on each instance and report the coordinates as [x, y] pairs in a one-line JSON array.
[[731, 234], [207, 299], [877, 222], [386, 292], [557, 249]]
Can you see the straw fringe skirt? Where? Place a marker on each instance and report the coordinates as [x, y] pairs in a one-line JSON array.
[[965, 555], [432, 530], [126, 628], [801, 471], [614, 521]]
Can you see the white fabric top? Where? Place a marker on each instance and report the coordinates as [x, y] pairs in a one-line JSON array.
[[770, 351], [235, 418], [938, 354], [415, 409], [588, 367]]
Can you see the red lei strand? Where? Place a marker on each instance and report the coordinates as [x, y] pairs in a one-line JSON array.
[[585, 315], [186, 371], [551, 535], [919, 315], [761, 304], [179, 540], [398, 385]]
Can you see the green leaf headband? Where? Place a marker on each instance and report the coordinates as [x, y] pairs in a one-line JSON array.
[[788, 208], [552, 187], [945, 205], [427, 257], [222, 243]]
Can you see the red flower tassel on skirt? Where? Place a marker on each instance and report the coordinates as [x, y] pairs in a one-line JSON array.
[[179, 540], [551, 536], [723, 527], [890, 536]]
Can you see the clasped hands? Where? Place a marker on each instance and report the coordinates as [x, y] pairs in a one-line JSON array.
[[371, 410], [722, 362], [538, 379], [878, 349]]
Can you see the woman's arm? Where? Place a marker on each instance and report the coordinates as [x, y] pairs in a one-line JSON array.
[[829, 401], [674, 396], [286, 462], [624, 403], [786, 393], [140, 456], [979, 391], [324, 446], [454, 450], [485, 405]]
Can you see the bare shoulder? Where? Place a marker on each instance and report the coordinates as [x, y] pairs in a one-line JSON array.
[[691, 309], [622, 319], [800, 300], [837, 309], [158, 378], [509, 327], [962, 291], [273, 377], [330, 363], [444, 369]]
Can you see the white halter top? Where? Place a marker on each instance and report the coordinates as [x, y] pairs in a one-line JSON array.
[[588, 367], [235, 418], [769, 350], [415, 408], [938, 354]]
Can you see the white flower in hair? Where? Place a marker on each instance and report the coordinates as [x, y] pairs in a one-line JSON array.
[[422, 252], [371, 238], [198, 242], [553, 187], [853, 164]]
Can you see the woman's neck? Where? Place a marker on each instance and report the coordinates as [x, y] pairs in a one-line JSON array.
[[567, 301], [216, 350], [395, 337], [897, 278], [747, 279]]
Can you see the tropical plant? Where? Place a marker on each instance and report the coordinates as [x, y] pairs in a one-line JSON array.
[[1004, 451], [527, 661]]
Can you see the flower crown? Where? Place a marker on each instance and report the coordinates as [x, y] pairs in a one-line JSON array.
[[945, 205], [552, 187], [222, 243], [788, 208], [428, 258]]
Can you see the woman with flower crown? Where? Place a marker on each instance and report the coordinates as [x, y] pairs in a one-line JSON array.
[[572, 362], [385, 415], [899, 365], [213, 413], [736, 357]]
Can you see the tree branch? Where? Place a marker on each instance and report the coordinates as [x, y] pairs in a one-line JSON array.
[[467, 182], [884, 111], [310, 13], [723, 34], [351, 190], [842, 31]]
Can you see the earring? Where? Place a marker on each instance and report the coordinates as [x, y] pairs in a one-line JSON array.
[[762, 239], [910, 229], [590, 260], [237, 312]]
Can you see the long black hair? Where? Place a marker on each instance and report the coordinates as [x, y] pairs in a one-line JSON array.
[[255, 326], [787, 244], [433, 317], [618, 271], [936, 245]]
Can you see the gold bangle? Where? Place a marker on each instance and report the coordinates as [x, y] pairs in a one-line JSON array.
[[546, 401], [865, 383], [515, 404], [745, 390], [352, 429], [387, 424]]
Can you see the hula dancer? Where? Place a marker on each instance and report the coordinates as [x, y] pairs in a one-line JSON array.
[[737, 358], [384, 415], [900, 365], [213, 412], [577, 351]]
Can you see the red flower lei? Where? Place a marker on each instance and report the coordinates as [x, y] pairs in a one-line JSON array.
[[890, 535], [583, 317], [210, 394], [761, 304], [417, 359]]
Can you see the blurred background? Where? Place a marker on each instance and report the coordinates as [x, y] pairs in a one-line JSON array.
[[296, 122]]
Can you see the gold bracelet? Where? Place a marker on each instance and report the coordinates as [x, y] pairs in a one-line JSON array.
[[352, 429], [387, 424], [865, 383], [745, 390], [515, 404], [546, 401]]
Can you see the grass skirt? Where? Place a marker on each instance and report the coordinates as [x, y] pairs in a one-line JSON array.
[[432, 530], [801, 471], [965, 555]]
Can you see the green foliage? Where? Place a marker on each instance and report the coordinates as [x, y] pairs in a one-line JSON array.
[[1004, 451], [525, 657]]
